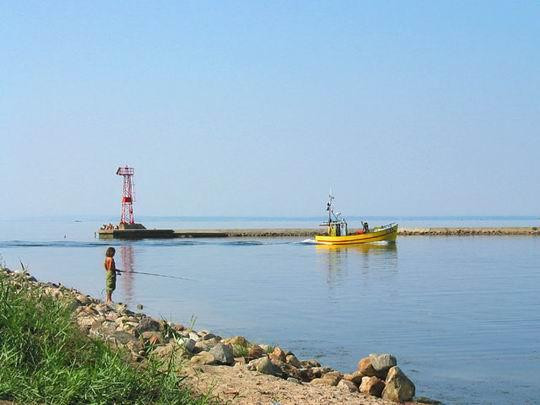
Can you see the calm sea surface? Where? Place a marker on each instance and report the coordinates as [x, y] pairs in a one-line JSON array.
[[461, 314]]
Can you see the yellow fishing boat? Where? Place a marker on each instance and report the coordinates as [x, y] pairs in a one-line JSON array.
[[337, 231]]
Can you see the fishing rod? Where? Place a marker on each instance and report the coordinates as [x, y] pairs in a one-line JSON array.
[[155, 274]]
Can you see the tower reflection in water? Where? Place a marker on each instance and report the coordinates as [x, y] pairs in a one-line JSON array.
[[368, 256], [127, 279]]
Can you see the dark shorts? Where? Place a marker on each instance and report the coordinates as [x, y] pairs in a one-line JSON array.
[[110, 281]]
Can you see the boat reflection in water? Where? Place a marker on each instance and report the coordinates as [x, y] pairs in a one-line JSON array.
[[365, 248], [343, 262]]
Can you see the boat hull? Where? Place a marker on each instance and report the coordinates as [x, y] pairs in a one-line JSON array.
[[388, 233]]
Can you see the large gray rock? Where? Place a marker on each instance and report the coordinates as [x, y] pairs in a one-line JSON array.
[[381, 363], [265, 366], [223, 354], [398, 386], [187, 343]]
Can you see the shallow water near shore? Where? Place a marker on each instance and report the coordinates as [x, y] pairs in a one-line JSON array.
[[461, 314]]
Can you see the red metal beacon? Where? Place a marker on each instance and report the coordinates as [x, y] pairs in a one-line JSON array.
[[127, 220]]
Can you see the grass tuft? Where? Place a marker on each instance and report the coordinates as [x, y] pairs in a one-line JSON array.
[[240, 351], [45, 359]]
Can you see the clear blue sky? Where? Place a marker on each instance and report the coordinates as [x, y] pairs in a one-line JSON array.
[[259, 108]]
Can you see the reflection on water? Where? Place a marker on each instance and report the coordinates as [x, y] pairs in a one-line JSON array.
[[363, 248], [127, 281], [336, 259]]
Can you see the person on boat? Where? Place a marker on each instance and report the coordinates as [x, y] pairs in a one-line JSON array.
[[365, 226], [110, 274]]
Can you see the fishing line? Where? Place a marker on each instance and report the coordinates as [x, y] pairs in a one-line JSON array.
[[154, 274]]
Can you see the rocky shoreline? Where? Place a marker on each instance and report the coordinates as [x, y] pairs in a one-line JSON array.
[[233, 369]]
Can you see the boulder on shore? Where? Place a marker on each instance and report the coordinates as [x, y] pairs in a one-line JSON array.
[[398, 386], [237, 341], [265, 366], [366, 368], [347, 385], [381, 363], [256, 352], [372, 386], [293, 361], [203, 358], [332, 378], [278, 354], [146, 324], [187, 343], [223, 354], [355, 377], [376, 365]]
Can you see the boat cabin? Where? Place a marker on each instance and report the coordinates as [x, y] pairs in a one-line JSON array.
[[336, 228]]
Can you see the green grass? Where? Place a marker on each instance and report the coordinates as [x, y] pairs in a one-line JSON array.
[[240, 351], [45, 359], [270, 349]]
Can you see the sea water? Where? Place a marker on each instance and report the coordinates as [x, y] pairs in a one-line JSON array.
[[461, 314]]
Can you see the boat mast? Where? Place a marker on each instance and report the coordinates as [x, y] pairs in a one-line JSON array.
[[329, 207]]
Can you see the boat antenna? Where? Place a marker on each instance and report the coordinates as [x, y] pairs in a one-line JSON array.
[[329, 206]]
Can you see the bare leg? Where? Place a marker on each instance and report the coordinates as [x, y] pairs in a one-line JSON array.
[[108, 298]]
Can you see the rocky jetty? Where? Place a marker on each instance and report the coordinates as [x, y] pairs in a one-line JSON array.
[[234, 368], [305, 232], [470, 231]]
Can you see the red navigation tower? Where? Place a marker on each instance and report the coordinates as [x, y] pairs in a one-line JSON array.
[[127, 195]]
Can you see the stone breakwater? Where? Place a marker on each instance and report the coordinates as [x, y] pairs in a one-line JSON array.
[[233, 368], [440, 231], [492, 231], [305, 232]]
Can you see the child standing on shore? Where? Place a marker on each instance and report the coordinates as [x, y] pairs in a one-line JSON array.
[[110, 274]]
